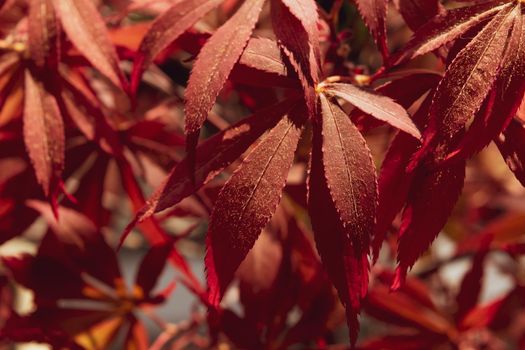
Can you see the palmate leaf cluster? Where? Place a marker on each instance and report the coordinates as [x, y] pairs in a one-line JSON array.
[[75, 95]]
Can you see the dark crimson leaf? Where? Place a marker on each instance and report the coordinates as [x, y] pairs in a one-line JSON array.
[[261, 64], [468, 81], [512, 147], [472, 73], [78, 103], [418, 12], [152, 266], [296, 45], [394, 179], [402, 308], [432, 197], [306, 12], [247, 202], [76, 243], [264, 54], [347, 268], [496, 314], [403, 342], [31, 271], [470, 289]]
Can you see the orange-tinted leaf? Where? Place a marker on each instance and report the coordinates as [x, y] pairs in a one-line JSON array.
[[43, 135], [248, 201], [42, 31], [137, 336], [85, 27]]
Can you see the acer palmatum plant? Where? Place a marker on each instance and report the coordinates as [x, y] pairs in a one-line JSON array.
[[307, 152]]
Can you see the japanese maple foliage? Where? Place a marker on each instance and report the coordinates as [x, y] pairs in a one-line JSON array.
[[311, 150]]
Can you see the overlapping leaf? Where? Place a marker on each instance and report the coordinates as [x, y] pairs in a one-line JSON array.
[[394, 180], [469, 78], [447, 27], [215, 62], [342, 221], [294, 34], [431, 200], [247, 202], [211, 157], [504, 99]]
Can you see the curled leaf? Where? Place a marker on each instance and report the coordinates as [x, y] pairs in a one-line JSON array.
[[215, 62]]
